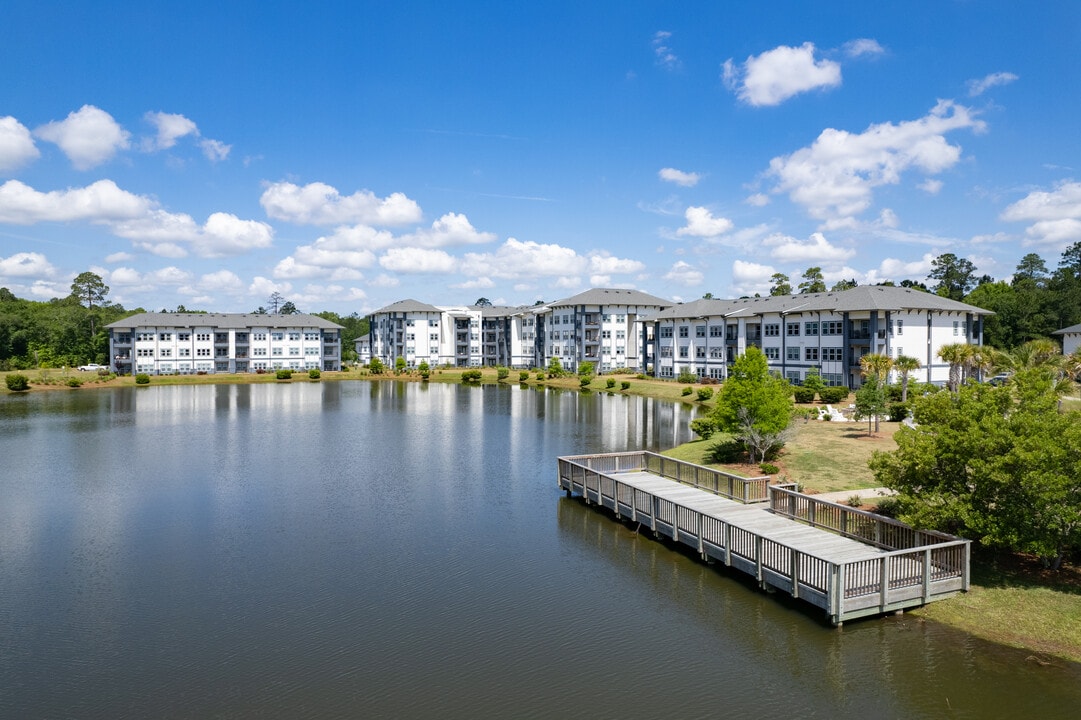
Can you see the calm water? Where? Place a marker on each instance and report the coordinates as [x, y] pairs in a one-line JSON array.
[[383, 550]]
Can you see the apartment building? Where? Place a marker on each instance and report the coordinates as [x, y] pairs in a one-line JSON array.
[[828, 331], [185, 343]]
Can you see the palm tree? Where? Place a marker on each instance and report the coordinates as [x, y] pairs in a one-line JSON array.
[[879, 366], [1072, 365], [956, 354], [1042, 354], [980, 360], [905, 365]]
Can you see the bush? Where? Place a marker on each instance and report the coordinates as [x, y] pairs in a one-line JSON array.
[[704, 427], [686, 376], [704, 394], [555, 368], [728, 450], [624, 384], [314, 374], [540, 375], [376, 367], [687, 391], [898, 411], [889, 506], [502, 373], [803, 394], [523, 376], [74, 382], [283, 374], [610, 383], [768, 468], [640, 376], [834, 394], [17, 383], [471, 376], [585, 381], [893, 393], [586, 369], [142, 379]]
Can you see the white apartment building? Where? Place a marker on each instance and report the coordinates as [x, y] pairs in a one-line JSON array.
[[828, 331], [602, 326], [186, 343], [1071, 339]]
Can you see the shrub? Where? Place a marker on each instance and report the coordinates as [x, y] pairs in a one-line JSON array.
[[709, 381], [686, 376], [586, 369], [74, 382], [833, 394], [704, 427], [889, 506], [854, 501], [523, 376], [142, 379], [898, 411], [640, 376], [803, 394], [376, 367], [585, 381], [728, 450], [893, 393], [471, 376], [610, 383], [624, 384], [687, 391], [260, 371], [399, 365], [424, 369], [704, 394], [502, 373], [540, 375], [314, 374], [283, 374], [17, 383], [768, 468], [555, 368]]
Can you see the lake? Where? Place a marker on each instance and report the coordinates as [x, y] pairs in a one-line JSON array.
[[400, 550]]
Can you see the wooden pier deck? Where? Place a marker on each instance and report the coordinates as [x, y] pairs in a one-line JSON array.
[[848, 562]]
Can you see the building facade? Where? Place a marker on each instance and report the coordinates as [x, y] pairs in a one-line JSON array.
[[186, 343], [829, 332], [1071, 339]]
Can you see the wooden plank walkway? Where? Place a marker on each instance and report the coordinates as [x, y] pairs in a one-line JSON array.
[[848, 562]]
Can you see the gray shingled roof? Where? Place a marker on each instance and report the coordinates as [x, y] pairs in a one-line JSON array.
[[404, 306], [1071, 329], [866, 297], [225, 321], [612, 296]]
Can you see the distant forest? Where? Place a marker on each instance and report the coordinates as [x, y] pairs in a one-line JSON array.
[[1034, 303]]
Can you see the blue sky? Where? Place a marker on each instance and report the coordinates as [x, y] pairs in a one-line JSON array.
[[350, 154]]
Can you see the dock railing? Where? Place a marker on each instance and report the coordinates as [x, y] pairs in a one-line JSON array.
[[718, 482]]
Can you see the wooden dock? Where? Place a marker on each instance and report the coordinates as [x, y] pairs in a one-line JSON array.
[[849, 562]]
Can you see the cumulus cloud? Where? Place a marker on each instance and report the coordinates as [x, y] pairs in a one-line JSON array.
[[170, 127], [982, 85], [1055, 215], [16, 144], [451, 229], [26, 264], [684, 274], [817, 249], [685, 179], [226, 234], [482, 283], [749, 277], [223, 234], [664, 55], [99, 202], [930, 186], [757, 200], [385, 281], [515, 258], [418, 260], [862, 46], [321, 204], [701, 223], [119, 257], [778, 74], [603, 263], [89, 136], [214, 150], [836, 175]]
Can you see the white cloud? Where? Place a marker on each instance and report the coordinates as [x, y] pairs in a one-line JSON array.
[[778, 74], [321, 204], [701, 223], [226, 234], [214, 150], [749, 277], [757, 200], [89, 136], [223, 234], [119, 257], [451, 229], [685, 179], [385, 281], [930, 186], [514, 259], [99, 202], [475, 284], [16, 145], [835, 176], [897, 270], [418, 260], [684, 274], [262, 287], [170, 127], [1055, 215], [26, 264], [861, 47], [603, 263], [817, 250], [665, 57], [221, 281], [978, 87]]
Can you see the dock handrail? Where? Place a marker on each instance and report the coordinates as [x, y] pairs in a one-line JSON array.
[[718, 482]]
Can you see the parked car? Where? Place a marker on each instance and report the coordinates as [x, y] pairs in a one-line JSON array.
[[91, 368], [1000, 379]]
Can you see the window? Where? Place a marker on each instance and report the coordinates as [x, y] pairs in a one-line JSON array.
[[716, 331], [144, 352], [123, 338], [666, 331], [221, 337], [793, 377], [259, 352], [810, 328], [700, 331], [242, 337], [666, 351], [606, 334], [621, 334], [771, 329], [202, 352], [409, 323], [145, 337], [166, 337], [183, 337], [832, 327], [792, 328], [606, 318], [294, 336], [276, 352], [555, 320], [311, 336], [716, 353], [277, 336], [900, 351], [955, 327], [259, 337], [566, 319], [184, 352], [166, 352], [700, 352], [792, 353], [409, 336], [832, 354], [221, 352], [833, 379], [772, 353], [683, 331], [294, 350], [683, 351], [900, 326], [202, 337], [810, 354], [716, 373]]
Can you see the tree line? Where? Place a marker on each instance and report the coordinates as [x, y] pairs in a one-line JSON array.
[[70, 331]]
